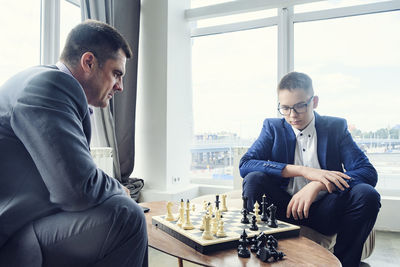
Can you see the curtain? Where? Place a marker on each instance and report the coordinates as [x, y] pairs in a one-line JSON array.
[[114, 126]]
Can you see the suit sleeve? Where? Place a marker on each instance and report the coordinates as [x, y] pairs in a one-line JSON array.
[[258, 157], [355, 162], [48, 121]]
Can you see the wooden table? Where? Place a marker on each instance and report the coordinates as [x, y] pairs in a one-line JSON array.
[[299, 251]]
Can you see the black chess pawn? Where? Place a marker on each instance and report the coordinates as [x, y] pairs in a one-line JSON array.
[[276, 255], [272, 222], [245, 219], [243, 251], [265, 254], [254, 226]]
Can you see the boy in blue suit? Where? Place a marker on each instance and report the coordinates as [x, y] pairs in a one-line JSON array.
[[309, 166]]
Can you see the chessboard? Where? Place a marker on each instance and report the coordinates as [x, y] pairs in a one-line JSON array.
[[233, 229]]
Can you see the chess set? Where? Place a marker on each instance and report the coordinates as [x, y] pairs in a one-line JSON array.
[[216, 228]]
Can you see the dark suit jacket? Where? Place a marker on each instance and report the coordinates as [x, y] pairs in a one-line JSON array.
[[337, 151], [45, 162]]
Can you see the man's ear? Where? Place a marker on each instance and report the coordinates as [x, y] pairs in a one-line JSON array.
[[315, 101], [87, 62]]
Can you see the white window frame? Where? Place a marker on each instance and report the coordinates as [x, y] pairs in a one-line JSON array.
[[285, 21], [50, 30]]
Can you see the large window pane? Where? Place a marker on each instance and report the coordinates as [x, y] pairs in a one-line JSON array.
[[355, 65], [70, 16], [20, 36], [234, 80]]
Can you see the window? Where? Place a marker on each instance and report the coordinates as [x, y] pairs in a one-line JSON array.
[[234, 80], [20, 40], [354, 63], [70, 16]]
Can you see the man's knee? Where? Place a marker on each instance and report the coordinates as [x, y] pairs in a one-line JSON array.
[[127, 212]]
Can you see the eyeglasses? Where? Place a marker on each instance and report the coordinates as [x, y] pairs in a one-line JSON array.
[[299, 108]]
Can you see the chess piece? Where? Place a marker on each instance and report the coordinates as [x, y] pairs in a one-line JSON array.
[[276, 255], [207, 233], [221, 232], [253, 247], [264, 215], [224, 207], [203, 223], [217, 201], [254, 226], [169, 217], [193, 208], [245, 219], [214, 225], [272, 222], [181, 214], [257, 211], [243, 251], [264, 254], [272, 242], [205, 205], [261, 241], [210, 212], [188, 224], [244, 198]]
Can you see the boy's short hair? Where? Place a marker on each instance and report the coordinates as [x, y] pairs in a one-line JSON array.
[[296, 80], [97, 37]]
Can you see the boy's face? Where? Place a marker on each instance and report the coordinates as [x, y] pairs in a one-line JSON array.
[[298, 98]]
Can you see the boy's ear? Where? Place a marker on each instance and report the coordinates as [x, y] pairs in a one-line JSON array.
[[315, 101]]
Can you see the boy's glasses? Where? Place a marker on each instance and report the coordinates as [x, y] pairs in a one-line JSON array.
[[299, 108]]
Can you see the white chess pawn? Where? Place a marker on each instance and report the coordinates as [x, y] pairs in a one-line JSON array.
[[203, 223], [188, 224], [181, 214], [221, 232], [224, 208], [257, 212], [207, 233], [169, 216]]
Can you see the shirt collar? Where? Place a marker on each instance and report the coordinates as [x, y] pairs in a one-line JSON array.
[[61, 66], [309, 130]]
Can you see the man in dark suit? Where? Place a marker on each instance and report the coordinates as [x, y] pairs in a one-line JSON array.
[[312, 170], [56, 207]]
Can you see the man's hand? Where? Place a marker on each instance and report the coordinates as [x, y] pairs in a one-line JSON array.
[[329, 178], [127, 191], [300, 203]]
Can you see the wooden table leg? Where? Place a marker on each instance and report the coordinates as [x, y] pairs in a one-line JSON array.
[[180, 263]]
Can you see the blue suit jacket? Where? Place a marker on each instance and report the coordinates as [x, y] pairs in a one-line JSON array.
[[275, 148], [45, 162]]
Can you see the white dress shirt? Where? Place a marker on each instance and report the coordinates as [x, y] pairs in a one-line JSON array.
[[305, 155]]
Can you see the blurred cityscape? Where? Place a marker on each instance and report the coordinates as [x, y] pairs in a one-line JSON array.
[[213, 157]]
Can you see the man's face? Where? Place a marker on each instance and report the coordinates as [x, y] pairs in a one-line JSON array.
[[105, 80], [297, 98]]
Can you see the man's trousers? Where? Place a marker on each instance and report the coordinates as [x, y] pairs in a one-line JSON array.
[[110, 234]]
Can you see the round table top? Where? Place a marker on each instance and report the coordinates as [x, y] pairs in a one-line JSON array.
[[299, 251]]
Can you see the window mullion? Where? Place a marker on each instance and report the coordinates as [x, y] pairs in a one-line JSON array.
[[50, 31]]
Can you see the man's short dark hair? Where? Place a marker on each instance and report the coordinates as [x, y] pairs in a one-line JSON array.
[[296, 80], [97, 37]]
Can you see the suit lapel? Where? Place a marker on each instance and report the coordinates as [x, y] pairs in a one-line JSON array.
[[322, 140], [290, 141]]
